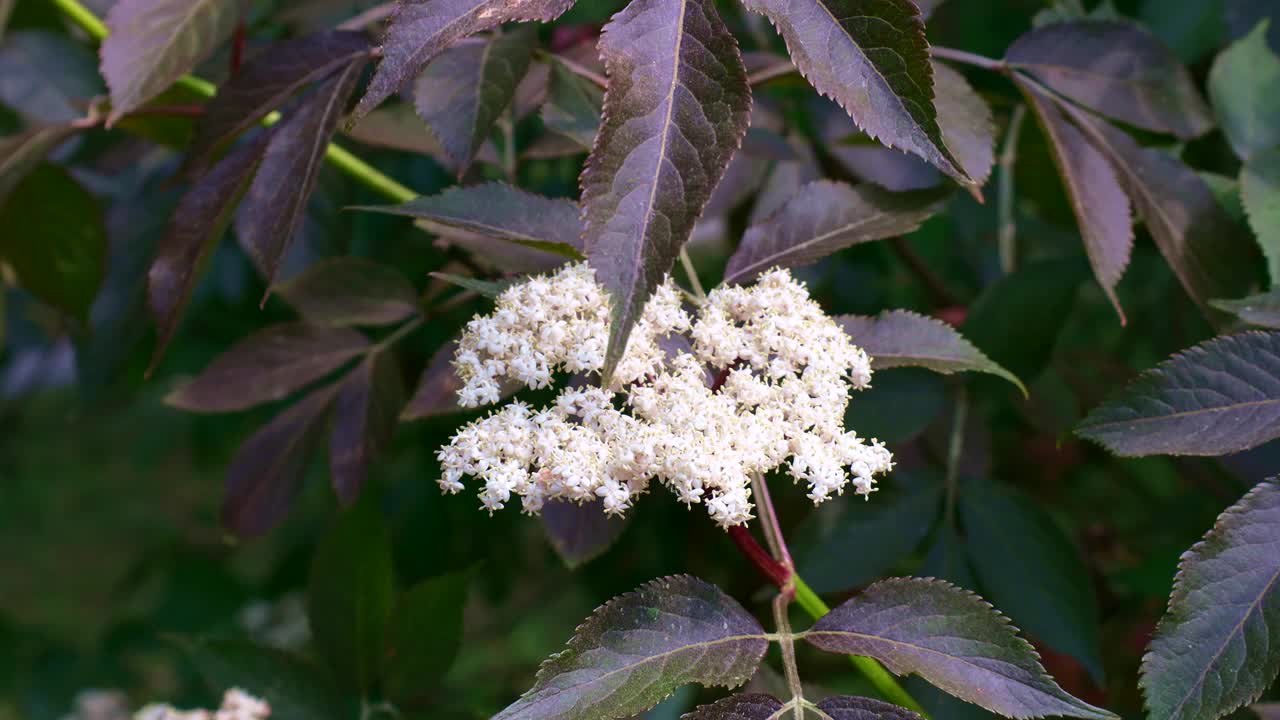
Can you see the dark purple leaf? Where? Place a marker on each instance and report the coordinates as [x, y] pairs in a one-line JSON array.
[[266, 473], [573, 106], [1217, 648], [54, 238], [1117, 69], [825, 217], [967, 126], [1202, 244], [639, 647], [901, 338], [580, 532], [437, 392], [21, 153], [364, 421], [870, 56], [846, 707], [784, 179], [1259, 310], [269, 365], [351, 593], [754, 706], [465, 89], [1219, 397], [154, 42], [398, 127], [675, 112], [265, 82], [501, 211], [953, 639], [197, 223], [350, 291], [1100, 204], [277, 199], [422, 29]]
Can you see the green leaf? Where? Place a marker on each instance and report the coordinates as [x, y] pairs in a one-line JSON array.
[[154, 42], [1101, 206], [1204, 247], [194, 229], [953, 639], [870, 56], [573, 106], [1259, 310], [639, 647], [1260, 193], [1016, 320], [269, 365], [825, 217], [276, 201], [464, 91], [864, 541], [1031, 570], [676, 110], [350, 291], [500, 211], [366, 412], [1117, 69], [901, 338], [1217, 648], [422, 29], [22, 153], [1219, 397], [487, 288], [294, 689], [1244, 85], [52, 235], [351, 595], [424, 635]]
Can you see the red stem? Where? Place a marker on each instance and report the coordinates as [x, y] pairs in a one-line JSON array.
[[237, 48], [776, 572]]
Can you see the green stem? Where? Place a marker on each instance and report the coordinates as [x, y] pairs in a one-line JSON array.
[[337, 156], [880, 678]]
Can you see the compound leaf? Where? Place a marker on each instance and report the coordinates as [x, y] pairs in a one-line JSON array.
[[870, 56], [269, 365], [1219, 397], [350, 291], [639, 647], [1217, 648], [826, 216], [675, 112], [953, 639], [1117, 69], [901, 338], [422, 29], [154, 42]]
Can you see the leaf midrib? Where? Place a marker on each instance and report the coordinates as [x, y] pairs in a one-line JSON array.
[[196, 9], [645, 660], [799, 248]]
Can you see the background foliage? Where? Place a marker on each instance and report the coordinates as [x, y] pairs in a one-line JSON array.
[[127, 521]]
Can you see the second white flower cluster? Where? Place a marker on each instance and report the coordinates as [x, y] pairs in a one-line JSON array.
[[757, 380]]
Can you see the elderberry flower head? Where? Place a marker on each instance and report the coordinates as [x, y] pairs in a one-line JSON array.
[[757, 380], [236, 705]]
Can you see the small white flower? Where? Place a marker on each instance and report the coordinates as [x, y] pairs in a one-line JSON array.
[[783, 372]]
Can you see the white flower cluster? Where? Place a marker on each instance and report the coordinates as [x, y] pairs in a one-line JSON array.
[[779, 381], [236, 705]]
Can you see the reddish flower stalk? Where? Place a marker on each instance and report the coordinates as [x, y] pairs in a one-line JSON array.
[[776, 572], [237, 47]]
